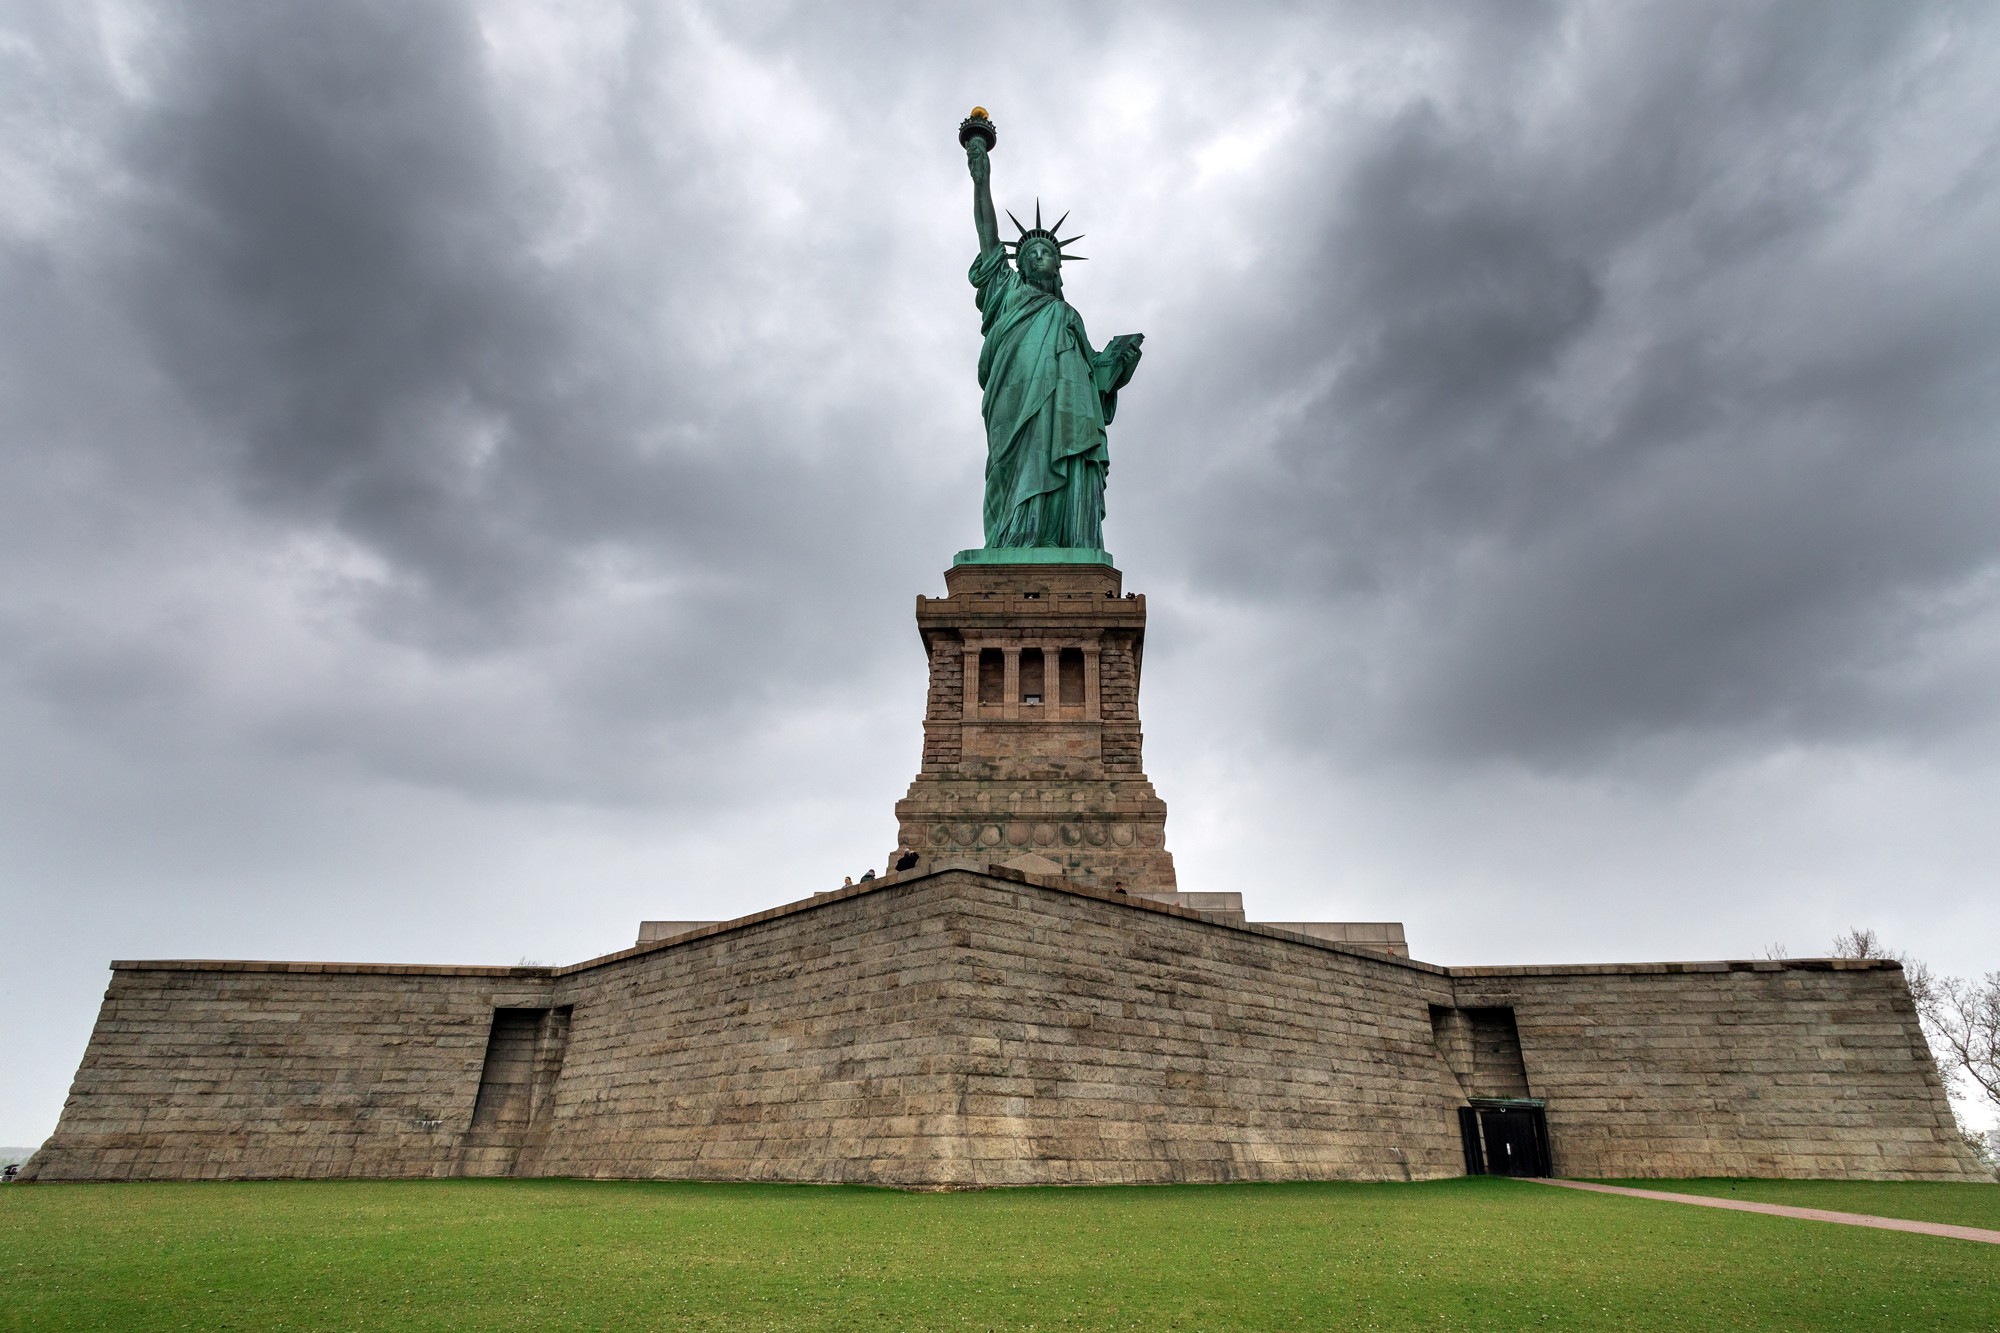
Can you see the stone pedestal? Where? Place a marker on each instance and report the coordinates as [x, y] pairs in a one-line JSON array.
[[1031, 734]]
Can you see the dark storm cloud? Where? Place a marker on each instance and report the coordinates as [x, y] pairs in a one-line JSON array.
[[1605, 384], [337, 238], [334, 271], [340, 266]]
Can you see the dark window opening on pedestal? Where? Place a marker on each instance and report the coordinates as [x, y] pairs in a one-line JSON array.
[[1031, 675], [992, 676], [1069, 671], [524, 1053]]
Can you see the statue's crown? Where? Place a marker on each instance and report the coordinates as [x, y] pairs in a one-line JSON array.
[[1046, 233]]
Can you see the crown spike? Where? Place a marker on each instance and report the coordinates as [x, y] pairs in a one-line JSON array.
[[1071, 241], [1017, 222], [1059, 221], [1038, 212]]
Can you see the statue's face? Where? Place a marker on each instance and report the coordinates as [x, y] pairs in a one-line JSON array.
[[1039, 259]]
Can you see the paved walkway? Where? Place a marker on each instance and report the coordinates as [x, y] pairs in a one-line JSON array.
[[1784, 1210]]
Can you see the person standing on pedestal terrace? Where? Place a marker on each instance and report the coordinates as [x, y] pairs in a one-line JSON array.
[[1048, 396]]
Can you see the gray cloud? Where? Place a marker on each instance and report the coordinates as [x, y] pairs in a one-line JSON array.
[[1607, 393]]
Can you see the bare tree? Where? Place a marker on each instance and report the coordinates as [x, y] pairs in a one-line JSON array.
[[1961, 1020], [1859, 942]]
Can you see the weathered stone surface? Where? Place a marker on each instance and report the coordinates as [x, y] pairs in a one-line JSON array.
[[1382, 936], [651, 932], [960, 1028], [1031, 729], [219, 1070], [1792, 1068]]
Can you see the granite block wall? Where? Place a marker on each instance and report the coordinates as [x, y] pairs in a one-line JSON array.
[[1808, 1068], [964, 1028], [231, 1070], [1106, 1043], [817, 1044]]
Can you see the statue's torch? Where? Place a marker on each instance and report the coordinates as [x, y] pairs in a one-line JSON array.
[[977, 126]]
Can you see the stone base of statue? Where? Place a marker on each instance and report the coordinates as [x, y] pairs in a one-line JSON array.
[[1031, 732]]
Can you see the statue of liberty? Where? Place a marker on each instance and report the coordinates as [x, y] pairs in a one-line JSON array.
[[1048, 396]]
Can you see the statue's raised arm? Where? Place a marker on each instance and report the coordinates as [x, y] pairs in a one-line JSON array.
[[1048, 393], [983, 216], [977, 135]]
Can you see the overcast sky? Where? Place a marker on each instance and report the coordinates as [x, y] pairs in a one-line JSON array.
[[465, 470]]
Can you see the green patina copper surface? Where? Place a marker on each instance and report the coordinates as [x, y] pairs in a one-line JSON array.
[[1033, 555], [1048, 393]]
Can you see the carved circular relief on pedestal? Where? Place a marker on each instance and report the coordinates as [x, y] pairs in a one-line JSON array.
[[1122, 835], [1044, 834], [1017, 834], [1071, 835], [941, 836], [1151, 836], [1095, 832], [964, 834], [990, 836]]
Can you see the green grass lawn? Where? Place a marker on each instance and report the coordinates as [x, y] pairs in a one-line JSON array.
[[1960, 1205], [1463, 1254]]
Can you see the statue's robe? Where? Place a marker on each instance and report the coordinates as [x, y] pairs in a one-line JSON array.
[[1048, 398]]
